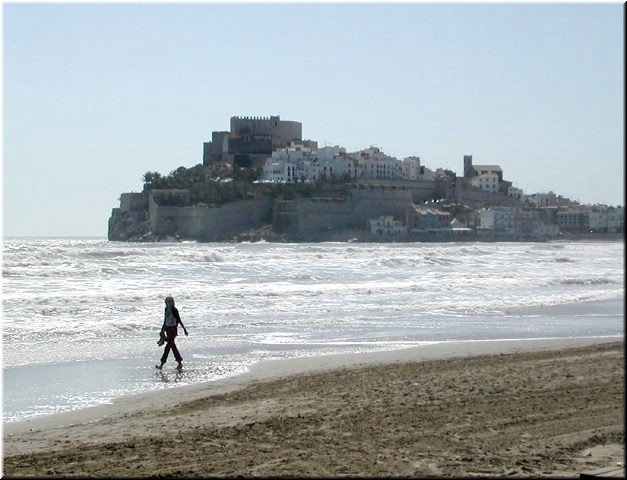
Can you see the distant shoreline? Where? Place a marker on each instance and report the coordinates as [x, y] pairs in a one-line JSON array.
[[618, 237], [365, 237]]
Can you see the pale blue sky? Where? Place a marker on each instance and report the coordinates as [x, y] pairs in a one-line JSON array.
[[96, 95]]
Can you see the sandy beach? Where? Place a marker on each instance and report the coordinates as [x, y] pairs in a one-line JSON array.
[[521, 408]]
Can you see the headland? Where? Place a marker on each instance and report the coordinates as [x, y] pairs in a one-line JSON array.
[[261, 181]]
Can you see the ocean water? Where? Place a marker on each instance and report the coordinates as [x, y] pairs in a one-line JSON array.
[[81, 316]]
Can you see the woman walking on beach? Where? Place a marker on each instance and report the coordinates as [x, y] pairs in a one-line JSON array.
[[170, 331]]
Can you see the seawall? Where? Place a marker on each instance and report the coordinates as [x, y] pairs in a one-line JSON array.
[[315, 216], [209, 223]]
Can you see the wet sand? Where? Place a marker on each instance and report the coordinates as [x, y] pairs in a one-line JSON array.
[[519, 408]]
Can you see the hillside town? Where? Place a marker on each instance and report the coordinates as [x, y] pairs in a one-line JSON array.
[[363, 195], [537, 215]]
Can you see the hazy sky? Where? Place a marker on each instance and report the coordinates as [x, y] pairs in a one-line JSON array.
[[96, 95]]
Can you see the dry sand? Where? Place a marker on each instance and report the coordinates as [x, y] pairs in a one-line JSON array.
[[520, 408]]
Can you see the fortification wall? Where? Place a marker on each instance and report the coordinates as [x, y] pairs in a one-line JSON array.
[[209, 223], [421, 190], [285, 218], [282, 132], [255, 125], [132, 202], [376, 201], [475, 198], [289, 131], [253, 144], [323, 214], [312, 216], [219, 142]]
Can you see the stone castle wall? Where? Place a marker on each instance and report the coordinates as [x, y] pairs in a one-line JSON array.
[[377, 201], [255, 125], [155, 215], [421, 190], [251, 135], [132, 202], [282, 132], [209, 223], [315, 215], [474, 198], [288, 131], [312, 216]]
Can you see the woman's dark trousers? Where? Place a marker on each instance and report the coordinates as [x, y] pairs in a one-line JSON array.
[[170, 334]]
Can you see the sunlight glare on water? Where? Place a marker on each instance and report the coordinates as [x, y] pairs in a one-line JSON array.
[[85, 306]]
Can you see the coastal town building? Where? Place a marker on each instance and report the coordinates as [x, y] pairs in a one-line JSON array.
[[489, 170], [309, 164], [616, 220], [573, 219], [604, 219], [597, 220], [487, 178], [500, 220], [515, 192], [535, 224], [421, 219], [487, 182], [410, 168], [298, 163], [291, 164], [387, 226], [336, 163], [549, 199], [376, 164]]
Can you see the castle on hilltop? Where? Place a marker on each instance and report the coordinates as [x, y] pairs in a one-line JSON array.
[[339, 195], [251, 140]]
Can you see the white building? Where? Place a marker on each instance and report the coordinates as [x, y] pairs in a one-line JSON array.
[[335, 162], [412, 170], [487, 182], [604, 219], [616, 220], [387, 226], [376, 164], [515, 192], [298, 163], [501, 220], [489, 170], [541, 199], [275, 171], [289, 164], [328, 153], [597, 219]]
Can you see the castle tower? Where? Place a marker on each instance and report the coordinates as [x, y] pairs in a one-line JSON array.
[[468, 170]]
